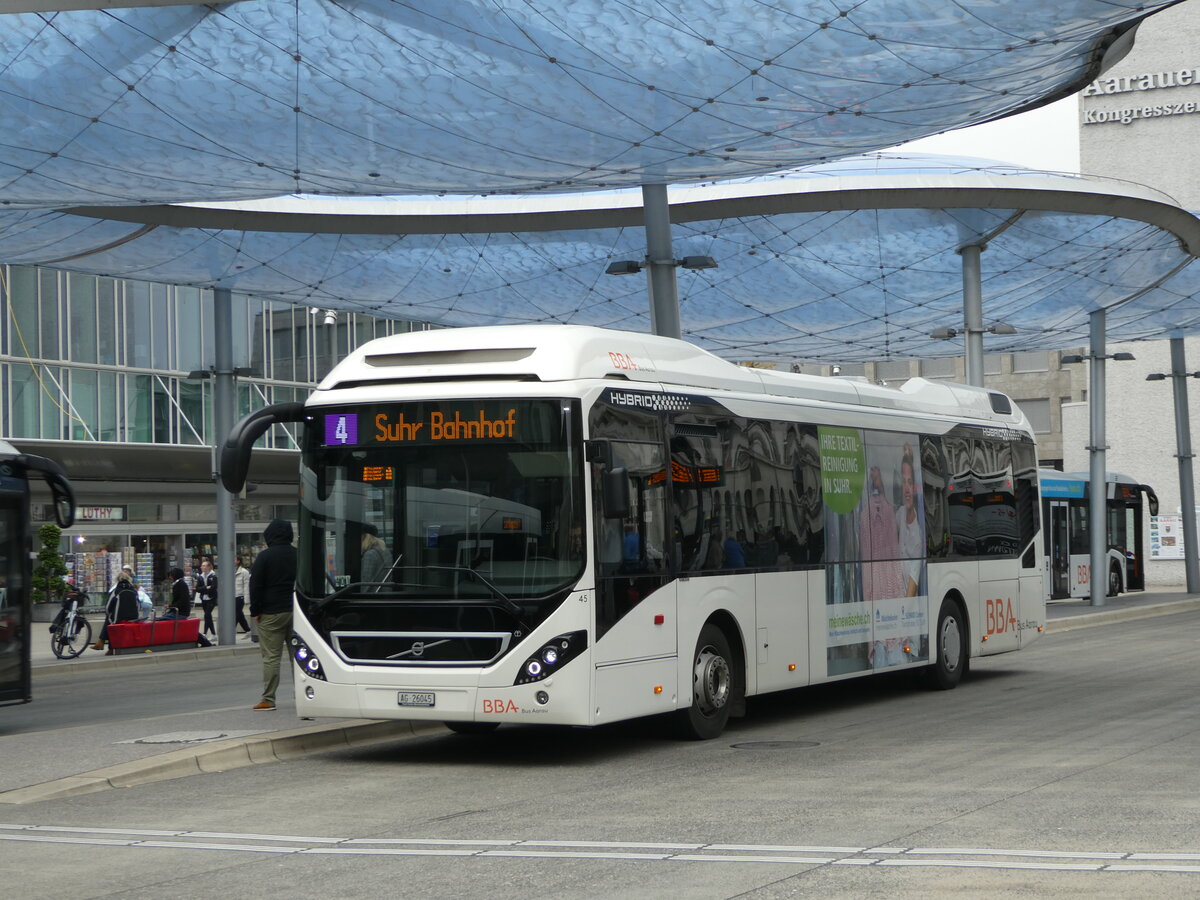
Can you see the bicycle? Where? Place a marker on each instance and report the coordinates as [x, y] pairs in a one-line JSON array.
[[71, 632]]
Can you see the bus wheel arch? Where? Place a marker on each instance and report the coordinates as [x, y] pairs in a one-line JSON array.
[[717, 681], [950, 645]]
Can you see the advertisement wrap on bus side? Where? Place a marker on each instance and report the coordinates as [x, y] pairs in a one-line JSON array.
[[876, 600]]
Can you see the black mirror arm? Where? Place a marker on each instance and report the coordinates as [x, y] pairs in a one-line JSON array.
[[60, 485], [235, 452]]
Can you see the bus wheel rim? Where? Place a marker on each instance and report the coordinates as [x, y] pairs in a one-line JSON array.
[[951, 643], [712, 681]]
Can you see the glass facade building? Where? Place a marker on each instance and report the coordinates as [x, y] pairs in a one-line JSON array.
[[102, 359], [99, 374]]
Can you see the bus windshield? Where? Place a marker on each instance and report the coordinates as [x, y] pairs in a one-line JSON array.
[[475, 501]]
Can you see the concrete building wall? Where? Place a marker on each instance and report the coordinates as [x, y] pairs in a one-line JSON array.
[[1141, 119], [1139, 122]]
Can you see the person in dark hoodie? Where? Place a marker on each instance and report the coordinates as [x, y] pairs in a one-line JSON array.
[[272, 580]]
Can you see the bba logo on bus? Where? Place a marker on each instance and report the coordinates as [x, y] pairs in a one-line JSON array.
[[500, 705], [1000, 618]]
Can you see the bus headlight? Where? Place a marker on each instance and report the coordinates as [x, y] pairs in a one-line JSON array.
[[303, 656], [552, 656]]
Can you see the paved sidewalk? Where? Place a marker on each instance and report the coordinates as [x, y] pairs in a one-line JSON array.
[[236, 741], [43, 657], [1065, 615]]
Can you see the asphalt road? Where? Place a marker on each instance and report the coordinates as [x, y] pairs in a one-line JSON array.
[[1068, 769]]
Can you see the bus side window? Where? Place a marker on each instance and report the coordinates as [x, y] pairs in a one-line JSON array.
[[1025, 469], [960, 492], [695, 474], [630, 551], [933, 471]]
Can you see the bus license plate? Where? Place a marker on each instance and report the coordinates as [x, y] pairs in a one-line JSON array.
[[415, 698]]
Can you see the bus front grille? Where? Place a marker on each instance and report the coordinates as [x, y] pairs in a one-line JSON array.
[[424, 648]]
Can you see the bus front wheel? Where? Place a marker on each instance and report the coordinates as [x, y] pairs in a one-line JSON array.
[[949, 647], [712, 687], [1114, 581]]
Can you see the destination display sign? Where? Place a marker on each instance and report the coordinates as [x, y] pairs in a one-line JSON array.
[[443, 424]]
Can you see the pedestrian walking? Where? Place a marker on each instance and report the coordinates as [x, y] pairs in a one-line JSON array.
[[272, 581], [241, 590], [206, 593]]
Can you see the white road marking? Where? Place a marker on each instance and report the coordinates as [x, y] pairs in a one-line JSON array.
[[1088, 861]]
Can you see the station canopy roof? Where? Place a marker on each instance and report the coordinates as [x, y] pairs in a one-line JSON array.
[[112, 113], [170, 103], [846, 261]]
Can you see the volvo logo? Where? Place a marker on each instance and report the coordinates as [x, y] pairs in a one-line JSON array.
[[417, 649]]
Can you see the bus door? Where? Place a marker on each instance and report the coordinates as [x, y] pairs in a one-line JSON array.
[[1125, 537], [631, 552], [636, 611], [1059, 561]]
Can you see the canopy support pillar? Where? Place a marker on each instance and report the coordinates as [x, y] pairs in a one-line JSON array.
[[660, 262], [972, 272], [223, 390], [1183, 443], [1098, 490]]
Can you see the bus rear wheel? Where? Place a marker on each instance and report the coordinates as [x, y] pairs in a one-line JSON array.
[[713, 687], [949, 648]]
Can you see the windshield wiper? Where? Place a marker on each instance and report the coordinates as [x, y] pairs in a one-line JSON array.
[[506, 602], [321, 602]]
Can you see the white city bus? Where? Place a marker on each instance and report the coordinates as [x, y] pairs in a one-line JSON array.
[[585, 526], [1067, 544]]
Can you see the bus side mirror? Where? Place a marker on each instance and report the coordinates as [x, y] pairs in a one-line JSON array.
[[614, 490], [1151, 499], [64, 512], [235, 452], [61, 489]]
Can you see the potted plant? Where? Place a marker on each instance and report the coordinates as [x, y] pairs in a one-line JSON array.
[[48, 586]]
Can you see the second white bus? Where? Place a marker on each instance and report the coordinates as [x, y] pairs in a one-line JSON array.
[[584, 526]]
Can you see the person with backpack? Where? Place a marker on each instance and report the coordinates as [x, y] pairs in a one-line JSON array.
[[122, 606]]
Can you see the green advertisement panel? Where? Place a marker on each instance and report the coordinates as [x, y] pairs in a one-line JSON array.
[[842, 467]]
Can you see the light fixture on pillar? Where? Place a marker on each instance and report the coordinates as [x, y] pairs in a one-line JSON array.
[[1069, 358], [633, 266], [1163, 376], [205, 374], [946, 334], [624, 267]]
